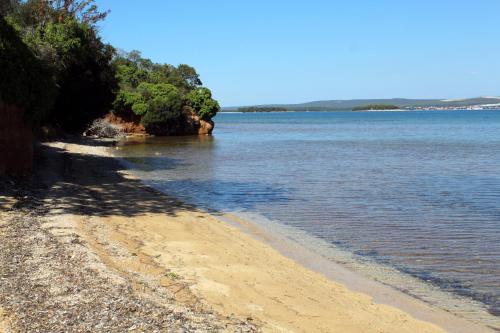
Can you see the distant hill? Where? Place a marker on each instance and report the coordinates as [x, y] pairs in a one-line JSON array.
[[345, 105]]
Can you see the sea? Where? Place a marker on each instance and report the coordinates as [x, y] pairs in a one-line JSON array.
[[413, 193]]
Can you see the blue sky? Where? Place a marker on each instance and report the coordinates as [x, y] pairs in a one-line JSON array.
[[258, 52]]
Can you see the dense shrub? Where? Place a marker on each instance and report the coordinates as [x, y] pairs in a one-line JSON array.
[[160, 105], [65, 75], [24, 81], [81, 66], [62, 37], [132, 70], [200, 99], [158, 92]]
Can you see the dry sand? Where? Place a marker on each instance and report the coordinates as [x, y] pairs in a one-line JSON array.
[[162, 247], [238, 275]]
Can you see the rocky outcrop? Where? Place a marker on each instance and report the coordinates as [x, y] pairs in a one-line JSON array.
[[188, 124], [128, 123], [194, 125], [16, 142], [206, 127]]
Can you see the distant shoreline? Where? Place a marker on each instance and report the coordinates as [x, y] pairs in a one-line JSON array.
[[476, 103], [393, 110]]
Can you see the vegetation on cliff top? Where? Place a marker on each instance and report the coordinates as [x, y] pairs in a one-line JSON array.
[[161, 94], [55, 65]]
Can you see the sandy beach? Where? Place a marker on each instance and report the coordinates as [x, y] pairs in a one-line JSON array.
[[97, 250]]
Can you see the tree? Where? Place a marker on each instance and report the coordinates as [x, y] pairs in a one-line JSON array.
[[133, 69], [84, 11], [81, 65], [41, 12], [146, 90], [189, 75], [25, 81], [88, 78], [160, 105], [61, 34], [200, 99]]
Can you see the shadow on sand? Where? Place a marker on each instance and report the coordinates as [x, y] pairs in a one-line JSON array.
[[94, 185], [83, 184]]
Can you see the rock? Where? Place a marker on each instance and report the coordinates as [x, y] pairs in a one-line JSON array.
[[206, 127], [195, 125], [188, 124], [128, 123]]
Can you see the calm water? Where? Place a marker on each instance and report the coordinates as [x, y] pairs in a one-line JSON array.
[[419, 191]]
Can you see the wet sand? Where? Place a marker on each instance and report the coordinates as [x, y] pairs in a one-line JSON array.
[[165, 249]]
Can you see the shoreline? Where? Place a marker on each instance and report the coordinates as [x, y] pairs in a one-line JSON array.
[[355, 280], [334, 272], [351, 274], [394, 287], [167, 250], [424, 301]]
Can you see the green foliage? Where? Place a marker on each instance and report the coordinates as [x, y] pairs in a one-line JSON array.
[[157, 93], [140, 108], [200, 99], [125, 100], [160, 104], [29, 13], [82, 66], [63, 60], [375, 107], [61, 36], [132, 69], [25, 81], [189, 75]]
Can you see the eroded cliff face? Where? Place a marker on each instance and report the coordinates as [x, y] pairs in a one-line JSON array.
[[16, 142], [206, 127], [188, 124], [194, 125], [129, 124]]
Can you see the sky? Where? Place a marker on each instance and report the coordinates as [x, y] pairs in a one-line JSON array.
[[277, 51]]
